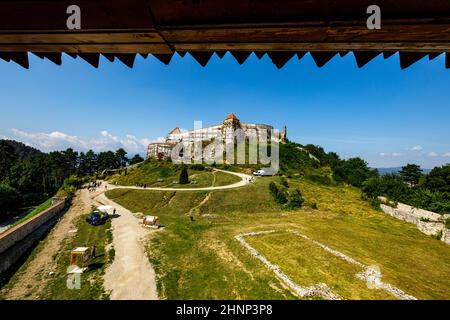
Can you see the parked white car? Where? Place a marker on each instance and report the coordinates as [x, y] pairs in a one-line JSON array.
[[263, 173]]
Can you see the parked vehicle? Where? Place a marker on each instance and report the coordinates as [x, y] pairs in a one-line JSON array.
[[96, 218], [268, 172]]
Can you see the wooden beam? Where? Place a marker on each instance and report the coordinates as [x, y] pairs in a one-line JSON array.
[[316, 46], [65, 36], [404, 31], [89, 48]]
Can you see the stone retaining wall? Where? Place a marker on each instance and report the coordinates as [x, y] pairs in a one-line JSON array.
[[14, 235]]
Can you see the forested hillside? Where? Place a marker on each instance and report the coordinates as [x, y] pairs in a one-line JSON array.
[[28, 176]]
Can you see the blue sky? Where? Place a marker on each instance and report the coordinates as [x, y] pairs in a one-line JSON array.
[[383, 114]]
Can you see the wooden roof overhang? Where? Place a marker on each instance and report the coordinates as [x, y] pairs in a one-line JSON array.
[[282, 29]]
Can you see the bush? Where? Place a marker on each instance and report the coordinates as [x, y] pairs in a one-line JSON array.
[[373, 202], [295, 199], [70, 186], [184, 177], [447, 223], [277, 193], [313, 205], [273, 189], [284, 182], [281, 197]]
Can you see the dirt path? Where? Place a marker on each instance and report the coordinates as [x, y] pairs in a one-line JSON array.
[[43, 263], [130, 276]]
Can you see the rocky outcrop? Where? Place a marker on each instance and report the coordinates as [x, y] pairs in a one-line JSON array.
[[428, 222]]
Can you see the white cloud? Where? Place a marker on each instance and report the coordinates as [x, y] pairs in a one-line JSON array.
[[447, 154], [416, 148], [57, 140], [433, 154], [393, 154]]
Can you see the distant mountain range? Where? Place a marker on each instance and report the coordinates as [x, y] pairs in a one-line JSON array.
[[383, 171]]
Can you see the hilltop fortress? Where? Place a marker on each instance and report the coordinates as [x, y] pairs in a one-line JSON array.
[[225, 131]]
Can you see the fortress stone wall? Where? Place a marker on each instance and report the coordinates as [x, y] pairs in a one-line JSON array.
[[225, 131]]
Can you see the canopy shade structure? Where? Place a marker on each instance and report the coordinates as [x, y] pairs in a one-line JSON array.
[[104, 208], [281, 29]]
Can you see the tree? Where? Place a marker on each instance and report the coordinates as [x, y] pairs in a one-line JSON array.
[[9, 199], [372, 187], [184, 177], [106, 160], [411, 174], [7, 158], [438, 179], [121, 158], [316, 151], [87, 163], [136, 159], [354, 171]]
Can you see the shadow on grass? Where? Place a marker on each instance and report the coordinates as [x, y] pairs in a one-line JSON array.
[[96, 265]]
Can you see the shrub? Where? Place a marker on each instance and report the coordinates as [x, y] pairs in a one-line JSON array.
[[447, 223], [277, 193], [281, 197], [313, 205], [438, 235], [373, 202], [70, 186], [284, 182], [184, 177], [295, 199], [273, 189]]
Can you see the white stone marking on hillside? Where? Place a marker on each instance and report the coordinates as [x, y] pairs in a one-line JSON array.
[[318, 290], [370, 274]]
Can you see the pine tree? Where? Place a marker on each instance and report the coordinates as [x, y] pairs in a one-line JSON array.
[[184, 177]]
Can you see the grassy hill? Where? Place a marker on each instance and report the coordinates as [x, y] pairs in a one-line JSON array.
[[202, 259], [166, 174]]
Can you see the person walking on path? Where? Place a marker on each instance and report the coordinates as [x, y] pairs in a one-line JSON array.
[[93, 248]]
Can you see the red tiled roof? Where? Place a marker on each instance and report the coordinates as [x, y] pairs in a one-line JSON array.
[[231, 116], [175, 130]]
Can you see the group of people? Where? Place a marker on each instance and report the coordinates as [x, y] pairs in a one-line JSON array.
[[250, 179], [140, 185], [92, 187]]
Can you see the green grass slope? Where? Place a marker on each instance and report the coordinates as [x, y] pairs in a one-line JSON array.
[[166, 174], [202, 260]]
